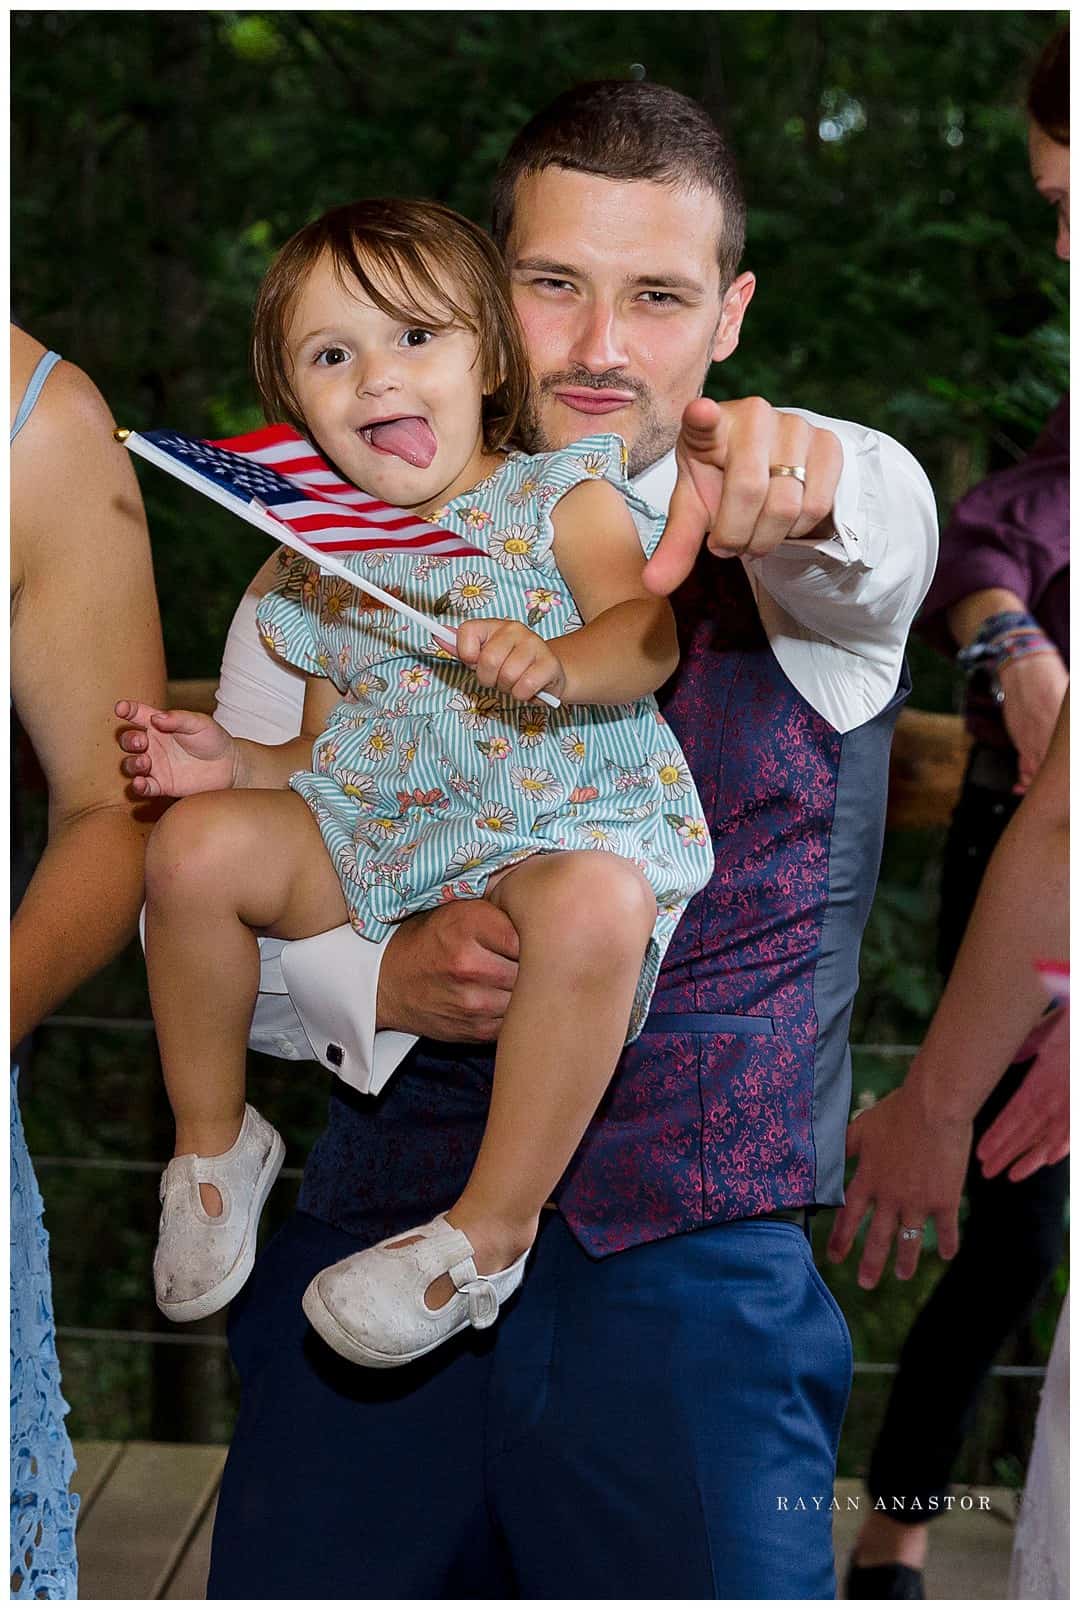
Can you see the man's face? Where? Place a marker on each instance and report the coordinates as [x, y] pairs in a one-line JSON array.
[[618, 292]]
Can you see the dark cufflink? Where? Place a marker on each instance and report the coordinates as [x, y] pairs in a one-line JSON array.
[[335, 1055]]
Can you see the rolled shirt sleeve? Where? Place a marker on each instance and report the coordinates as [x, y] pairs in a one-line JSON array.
[[838, 609], [258, 696]]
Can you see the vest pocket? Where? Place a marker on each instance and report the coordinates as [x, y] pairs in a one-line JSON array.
[[705, 1023]]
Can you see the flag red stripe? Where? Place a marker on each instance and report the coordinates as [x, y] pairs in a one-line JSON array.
[[318, 522], [297, 466], [333, 491], [420, 544], [307, 466], [266, 436]]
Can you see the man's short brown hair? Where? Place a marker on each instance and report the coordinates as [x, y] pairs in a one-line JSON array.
[[627, 130], [443, 271]]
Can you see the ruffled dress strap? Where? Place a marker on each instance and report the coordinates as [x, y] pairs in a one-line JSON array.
[[602, 457], [283, 623]]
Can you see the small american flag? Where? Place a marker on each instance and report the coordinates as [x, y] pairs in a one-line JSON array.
[[281, 472], [275, 480]]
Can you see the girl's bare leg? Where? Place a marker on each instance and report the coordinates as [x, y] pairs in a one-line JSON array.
[[583, 920], [221, 869]]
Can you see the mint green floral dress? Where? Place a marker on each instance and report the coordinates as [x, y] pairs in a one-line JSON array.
[[425, 783]]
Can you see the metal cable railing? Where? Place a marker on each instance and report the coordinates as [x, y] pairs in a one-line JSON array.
[[91, 1333], [125, 1165], [138, 1025]]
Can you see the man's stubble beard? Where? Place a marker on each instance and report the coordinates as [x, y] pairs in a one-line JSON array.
[[654, 440]]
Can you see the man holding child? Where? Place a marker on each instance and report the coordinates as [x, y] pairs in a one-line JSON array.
[[673, 1360]]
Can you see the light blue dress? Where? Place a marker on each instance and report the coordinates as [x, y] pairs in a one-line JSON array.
[[424, 783], [42, 1464]]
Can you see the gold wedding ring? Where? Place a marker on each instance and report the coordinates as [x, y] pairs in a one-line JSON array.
[[797, 471]]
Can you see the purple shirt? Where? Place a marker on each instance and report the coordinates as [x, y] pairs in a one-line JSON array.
[[1011, 531]]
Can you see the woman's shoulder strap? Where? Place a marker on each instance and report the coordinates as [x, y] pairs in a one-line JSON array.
[[602, 457], [42, 370]]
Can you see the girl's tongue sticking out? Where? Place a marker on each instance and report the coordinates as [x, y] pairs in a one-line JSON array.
[[409, 437]]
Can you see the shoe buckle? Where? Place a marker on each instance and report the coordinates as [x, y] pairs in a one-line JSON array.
[[483, 1303]]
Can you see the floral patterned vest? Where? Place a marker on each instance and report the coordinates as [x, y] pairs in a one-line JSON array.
[[735, 1099]]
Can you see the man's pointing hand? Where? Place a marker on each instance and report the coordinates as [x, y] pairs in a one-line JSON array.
[[725, 491]]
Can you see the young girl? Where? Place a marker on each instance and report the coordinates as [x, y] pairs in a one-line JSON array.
[[384, 331]]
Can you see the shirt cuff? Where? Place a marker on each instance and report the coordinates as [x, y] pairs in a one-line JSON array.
[[846, 541], [333, 982], [857, 535]]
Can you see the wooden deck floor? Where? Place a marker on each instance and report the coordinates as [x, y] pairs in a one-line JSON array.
[[148, 1509], [145, 1518]]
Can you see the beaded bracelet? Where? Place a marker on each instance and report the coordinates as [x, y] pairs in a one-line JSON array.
[[1012, 634]]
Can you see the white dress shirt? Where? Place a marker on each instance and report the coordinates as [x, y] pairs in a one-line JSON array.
[[837, 611]]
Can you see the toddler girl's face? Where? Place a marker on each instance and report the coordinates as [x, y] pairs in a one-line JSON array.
[[396, 405]]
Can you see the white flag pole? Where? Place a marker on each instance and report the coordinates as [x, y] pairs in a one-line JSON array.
[[263, 521]]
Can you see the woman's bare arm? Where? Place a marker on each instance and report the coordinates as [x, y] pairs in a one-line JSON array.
[[84, 628], [913, 1147]]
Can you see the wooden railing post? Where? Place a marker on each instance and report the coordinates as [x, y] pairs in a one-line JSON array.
[[929, 754]]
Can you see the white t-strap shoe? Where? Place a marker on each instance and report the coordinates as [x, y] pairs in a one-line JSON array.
[[201, 1260], [371, 1307]]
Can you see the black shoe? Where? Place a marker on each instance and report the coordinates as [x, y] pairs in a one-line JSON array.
[[883, 1582]]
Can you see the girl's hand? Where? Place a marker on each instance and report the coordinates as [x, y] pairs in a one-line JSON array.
[[507, 656], [174, 752]]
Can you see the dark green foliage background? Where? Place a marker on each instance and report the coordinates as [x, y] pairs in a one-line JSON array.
[[905, 279], [158, 159]]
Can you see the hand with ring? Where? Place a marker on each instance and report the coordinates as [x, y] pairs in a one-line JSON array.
[[750, 477], [911, 1168]]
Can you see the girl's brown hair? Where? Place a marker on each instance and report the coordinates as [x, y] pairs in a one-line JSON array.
[[443, 271]]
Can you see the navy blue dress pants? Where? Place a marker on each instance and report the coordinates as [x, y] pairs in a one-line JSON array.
[[636, 1427]]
